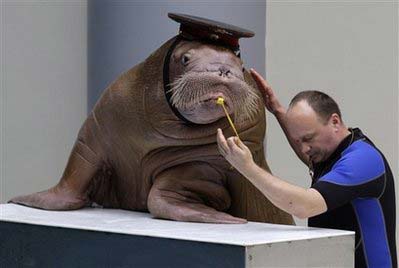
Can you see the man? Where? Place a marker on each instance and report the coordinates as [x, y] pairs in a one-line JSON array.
[[352, 183]]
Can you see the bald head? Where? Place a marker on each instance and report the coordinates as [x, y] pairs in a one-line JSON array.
[[322, 104], [301, 112]]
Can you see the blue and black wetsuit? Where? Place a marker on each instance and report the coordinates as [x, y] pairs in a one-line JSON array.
[[358, 186]]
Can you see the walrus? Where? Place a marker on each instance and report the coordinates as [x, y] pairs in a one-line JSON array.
[[149, 144]]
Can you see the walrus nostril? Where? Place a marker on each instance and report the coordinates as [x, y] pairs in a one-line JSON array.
[[224, 71]]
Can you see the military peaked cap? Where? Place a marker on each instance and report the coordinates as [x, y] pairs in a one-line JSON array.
[[196, 28]]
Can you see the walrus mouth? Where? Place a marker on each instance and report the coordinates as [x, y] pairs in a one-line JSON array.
[[195, 89], [210, 103], [212, 98]]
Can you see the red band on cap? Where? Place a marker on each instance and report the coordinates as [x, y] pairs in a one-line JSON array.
[[214, 36]]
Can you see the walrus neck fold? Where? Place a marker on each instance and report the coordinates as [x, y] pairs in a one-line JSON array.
[[166, 82]]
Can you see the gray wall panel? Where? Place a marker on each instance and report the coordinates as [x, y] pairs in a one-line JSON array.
[[43, 91]]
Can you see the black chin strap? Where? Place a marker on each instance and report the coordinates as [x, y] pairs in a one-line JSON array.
[[166, 82]]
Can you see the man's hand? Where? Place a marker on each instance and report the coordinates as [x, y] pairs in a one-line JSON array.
[[270, 99], [235, 152], [273, 105]]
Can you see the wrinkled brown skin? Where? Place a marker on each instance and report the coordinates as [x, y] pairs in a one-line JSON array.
[[133, 153]]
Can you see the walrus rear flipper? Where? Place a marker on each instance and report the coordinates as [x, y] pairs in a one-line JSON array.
[[53, 199], [71, 192]]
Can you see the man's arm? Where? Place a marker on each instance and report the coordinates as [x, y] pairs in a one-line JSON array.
[[300, 202], [273, 105], [295, 200]]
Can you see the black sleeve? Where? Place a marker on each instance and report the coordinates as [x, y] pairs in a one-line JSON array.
[[336, 195]]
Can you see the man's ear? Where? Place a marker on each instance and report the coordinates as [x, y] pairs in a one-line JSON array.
[[335, 120]]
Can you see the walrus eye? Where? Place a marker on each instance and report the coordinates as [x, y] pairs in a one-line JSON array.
[[185, 59]]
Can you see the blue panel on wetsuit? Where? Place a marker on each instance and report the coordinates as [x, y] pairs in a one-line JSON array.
[[373, 232], [353, 168]]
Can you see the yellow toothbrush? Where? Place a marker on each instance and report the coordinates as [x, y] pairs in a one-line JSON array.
[[220, 101]]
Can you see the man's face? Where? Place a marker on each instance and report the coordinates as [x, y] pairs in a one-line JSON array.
[[315, 138]]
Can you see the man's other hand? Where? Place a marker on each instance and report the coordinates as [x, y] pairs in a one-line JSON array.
[[270, 99]]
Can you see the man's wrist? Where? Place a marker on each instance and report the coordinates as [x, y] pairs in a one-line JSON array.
[[251, 170]]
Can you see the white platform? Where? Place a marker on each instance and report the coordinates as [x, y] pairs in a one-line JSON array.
[[265, 245]]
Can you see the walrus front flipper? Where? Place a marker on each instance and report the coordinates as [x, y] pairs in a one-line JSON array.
[[71, 192], [193, 193]]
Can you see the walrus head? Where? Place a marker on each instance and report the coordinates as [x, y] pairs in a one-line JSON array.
[[199, 73]]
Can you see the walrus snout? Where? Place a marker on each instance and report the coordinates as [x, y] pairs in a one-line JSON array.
[[225, 71]]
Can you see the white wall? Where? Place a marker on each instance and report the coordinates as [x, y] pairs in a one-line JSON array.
[[349, 49], [43, 91]]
